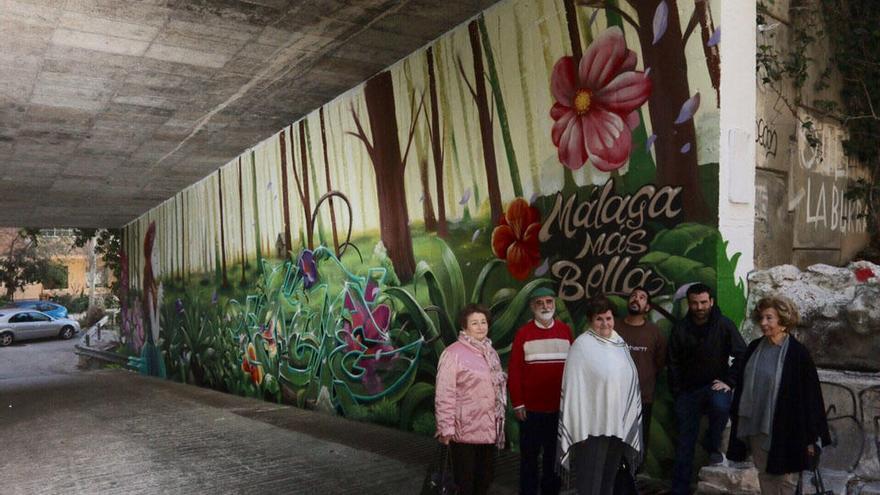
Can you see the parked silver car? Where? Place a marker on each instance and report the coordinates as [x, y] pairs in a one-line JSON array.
[[24, 324]]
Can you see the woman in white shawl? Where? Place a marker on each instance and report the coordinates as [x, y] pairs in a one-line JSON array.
[[601, 408]]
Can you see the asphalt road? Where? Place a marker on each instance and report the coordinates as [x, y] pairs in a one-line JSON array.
[[38, 358], [67, 431]]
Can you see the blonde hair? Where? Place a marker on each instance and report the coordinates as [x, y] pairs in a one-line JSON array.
[[785, 308]]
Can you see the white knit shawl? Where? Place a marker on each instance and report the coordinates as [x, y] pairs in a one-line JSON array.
[[600, 394]]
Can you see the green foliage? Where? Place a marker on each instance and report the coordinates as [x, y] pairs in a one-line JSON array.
[[425, 424], [384, 412], [75, 303], [693, 252], [21, 263], [55, 276]]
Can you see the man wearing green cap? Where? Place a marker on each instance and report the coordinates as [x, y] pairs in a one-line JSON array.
[[537, 360]]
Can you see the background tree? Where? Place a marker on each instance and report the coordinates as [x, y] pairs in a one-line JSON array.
[[21, 263]]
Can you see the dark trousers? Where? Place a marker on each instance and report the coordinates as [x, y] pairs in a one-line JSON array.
[[690, 407], [473, 466], [646, 432], [538, 432], [646, 427], [596, 461]]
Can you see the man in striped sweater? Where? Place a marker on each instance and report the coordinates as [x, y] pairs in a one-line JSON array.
[[537, 359]]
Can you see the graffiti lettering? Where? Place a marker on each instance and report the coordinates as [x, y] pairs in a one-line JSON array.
[[844, 215], [766, 137], [617, 275], [629, 211], [608, 231]]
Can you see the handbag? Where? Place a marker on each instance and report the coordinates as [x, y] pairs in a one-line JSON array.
[[817, 482], [439, 479], [624, 482]]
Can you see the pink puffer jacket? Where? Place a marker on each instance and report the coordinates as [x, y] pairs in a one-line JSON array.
[[464, 399]]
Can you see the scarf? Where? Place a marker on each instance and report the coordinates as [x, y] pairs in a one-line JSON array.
[[499, 380], [747, 405], [600, 396]]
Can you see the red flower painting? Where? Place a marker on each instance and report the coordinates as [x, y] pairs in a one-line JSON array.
[[596, 103], [251, 366], [515, 239]]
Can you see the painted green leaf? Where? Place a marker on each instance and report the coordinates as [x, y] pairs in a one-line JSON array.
[[477, 294], [419, 317], [504, 325], [416, 394], [456, 292], [682, 238]]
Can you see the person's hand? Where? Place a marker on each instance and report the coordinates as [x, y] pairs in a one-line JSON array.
[[520, 413], [811, 450], [720, 386], [444, 439]]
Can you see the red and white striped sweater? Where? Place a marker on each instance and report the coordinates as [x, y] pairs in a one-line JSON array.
[[537, 360]]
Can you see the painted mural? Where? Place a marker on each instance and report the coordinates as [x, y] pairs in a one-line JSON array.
[[543, 143]]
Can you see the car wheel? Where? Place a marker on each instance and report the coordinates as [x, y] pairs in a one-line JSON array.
[[66, 333], [6, 339]]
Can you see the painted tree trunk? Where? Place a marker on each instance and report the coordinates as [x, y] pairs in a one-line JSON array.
[[427, 201], [305, 192], [675, 146], [533, 165], [288, 244], [241, 223], [436, 146], [498, 96], [389, 171], [713, 57], [486, 130], [222, 228], [329, 184]]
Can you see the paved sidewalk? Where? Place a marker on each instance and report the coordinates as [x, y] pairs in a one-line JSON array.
[[115, 432]]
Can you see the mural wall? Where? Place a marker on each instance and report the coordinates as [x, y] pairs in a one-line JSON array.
[[542, 143]]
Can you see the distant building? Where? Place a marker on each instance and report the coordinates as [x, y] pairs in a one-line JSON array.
[[73, 279]]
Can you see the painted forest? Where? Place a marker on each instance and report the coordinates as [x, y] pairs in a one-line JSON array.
[[559, 143]]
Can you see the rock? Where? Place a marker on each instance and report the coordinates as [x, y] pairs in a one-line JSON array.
[[727, 479], [872, 488], [863, 313], [828, 276], [840, 316], [835, 481]]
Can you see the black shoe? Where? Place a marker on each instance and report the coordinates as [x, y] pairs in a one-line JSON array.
[[716, 458]]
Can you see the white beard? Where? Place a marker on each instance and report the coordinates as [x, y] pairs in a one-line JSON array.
[[546, 316]]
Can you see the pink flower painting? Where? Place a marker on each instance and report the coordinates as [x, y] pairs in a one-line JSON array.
[[597, 102]]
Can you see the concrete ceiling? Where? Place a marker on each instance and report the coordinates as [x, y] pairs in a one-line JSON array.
[[109, 107]]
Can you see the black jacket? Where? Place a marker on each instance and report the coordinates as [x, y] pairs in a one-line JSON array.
[[699, 354], [799, 418]]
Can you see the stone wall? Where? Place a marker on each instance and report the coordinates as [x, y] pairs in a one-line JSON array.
[[839, 309], [801, 214]]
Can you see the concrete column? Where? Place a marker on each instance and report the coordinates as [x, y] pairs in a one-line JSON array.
[[736, 192]]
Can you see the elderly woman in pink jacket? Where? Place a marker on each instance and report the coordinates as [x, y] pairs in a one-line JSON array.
[[470, 402]]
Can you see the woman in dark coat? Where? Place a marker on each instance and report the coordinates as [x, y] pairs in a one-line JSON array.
[[778, 413]]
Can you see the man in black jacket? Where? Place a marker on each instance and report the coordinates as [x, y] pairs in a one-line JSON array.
[[701, 377]]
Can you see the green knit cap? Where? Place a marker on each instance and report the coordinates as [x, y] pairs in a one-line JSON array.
[[543, 292]]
